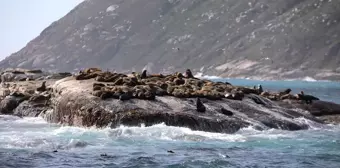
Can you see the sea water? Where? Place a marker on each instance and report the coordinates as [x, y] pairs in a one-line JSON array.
[[31, 142]]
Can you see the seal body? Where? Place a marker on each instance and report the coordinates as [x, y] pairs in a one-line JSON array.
[[200, 106]]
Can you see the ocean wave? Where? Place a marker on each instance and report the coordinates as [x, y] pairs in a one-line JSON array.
[[201, 76], [309, 79], [262, 79], [164, 132], [36, 133]]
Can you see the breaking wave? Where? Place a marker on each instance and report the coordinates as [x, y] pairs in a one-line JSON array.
[[36, 133]]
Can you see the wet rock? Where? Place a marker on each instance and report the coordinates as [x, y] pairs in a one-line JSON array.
[[321, 108], [8, 104], [256, 99], [31, 109]]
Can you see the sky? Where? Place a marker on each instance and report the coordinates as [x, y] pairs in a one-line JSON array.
[[23, 20]]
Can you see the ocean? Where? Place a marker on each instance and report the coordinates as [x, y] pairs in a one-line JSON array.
[[32, 142]]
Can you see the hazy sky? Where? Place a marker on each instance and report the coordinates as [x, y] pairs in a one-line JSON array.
[[23, 20]]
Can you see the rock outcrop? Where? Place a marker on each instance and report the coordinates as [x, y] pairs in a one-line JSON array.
[[131, 100]]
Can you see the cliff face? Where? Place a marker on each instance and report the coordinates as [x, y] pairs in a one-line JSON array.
[[256, 38]]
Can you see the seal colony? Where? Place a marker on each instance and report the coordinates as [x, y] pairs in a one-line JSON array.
[[147, 87], [99, 98]]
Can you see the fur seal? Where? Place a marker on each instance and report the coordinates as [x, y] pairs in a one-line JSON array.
[[105, 95], [307, 98], [260, 89], [170, 151], [200, 106], [144, 75], [42, 88], [124, 97], [285, 92], [179, 81], [235, 95], [226, 112], [188, 74]]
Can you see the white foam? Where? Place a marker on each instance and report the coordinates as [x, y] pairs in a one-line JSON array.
[[163, 132], [309, 79], [112, 8], [201, 76], [311, 124]]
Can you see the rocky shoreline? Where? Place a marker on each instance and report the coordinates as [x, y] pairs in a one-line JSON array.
[[97, 98]]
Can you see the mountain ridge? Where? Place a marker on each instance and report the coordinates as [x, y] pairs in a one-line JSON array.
[[266, 39]]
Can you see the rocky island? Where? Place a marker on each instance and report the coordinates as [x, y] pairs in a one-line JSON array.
[[94, 97]]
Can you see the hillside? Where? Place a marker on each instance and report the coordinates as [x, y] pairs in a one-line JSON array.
[[268, 39]]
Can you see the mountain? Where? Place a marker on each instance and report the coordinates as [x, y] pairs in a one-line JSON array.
[[268, 39]]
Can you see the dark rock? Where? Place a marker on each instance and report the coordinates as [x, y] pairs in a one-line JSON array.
[[170, 151], [257, 99], [31, 109], [321, 108], [8, 104]]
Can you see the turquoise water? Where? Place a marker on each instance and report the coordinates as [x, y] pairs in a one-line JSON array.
[[30, 142], [328, 91]]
